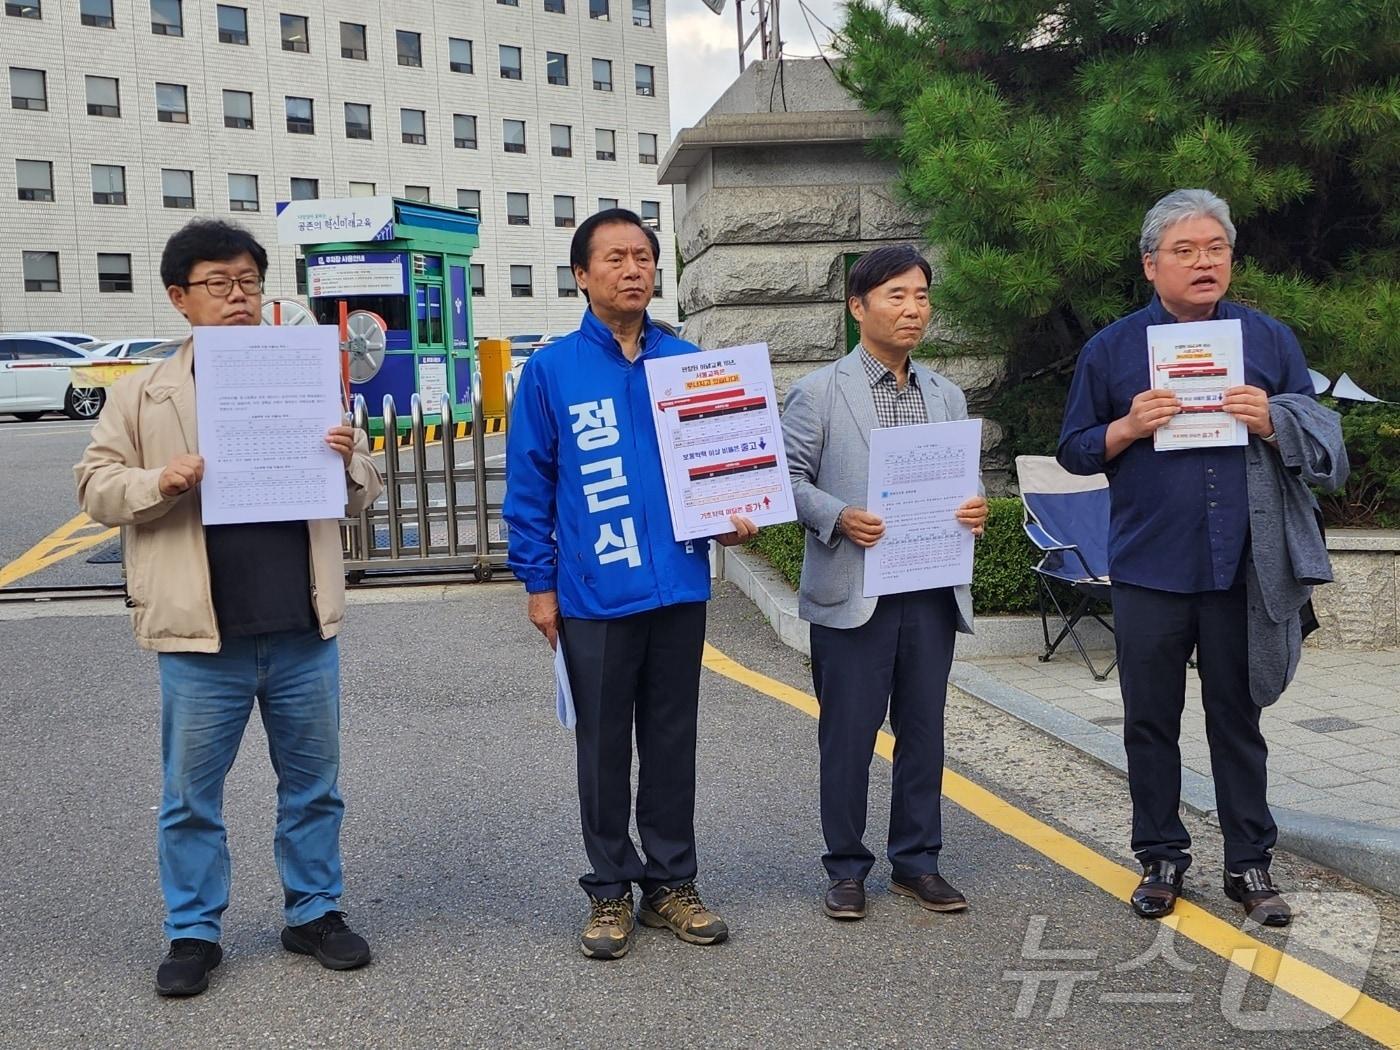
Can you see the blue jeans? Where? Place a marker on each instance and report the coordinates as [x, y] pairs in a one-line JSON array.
[[206, 699]]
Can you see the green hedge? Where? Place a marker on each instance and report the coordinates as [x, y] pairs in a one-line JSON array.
[[1001, 572]]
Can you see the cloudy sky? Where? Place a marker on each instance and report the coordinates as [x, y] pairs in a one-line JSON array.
[[704, 49]]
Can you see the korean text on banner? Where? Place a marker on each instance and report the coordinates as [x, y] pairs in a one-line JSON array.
[[716, 416], [265, 396], [1198, 361]]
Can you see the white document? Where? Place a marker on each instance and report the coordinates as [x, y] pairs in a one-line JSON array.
[[265, 397], [716, 416], [563, 691], [919, 476], [1198, 361]]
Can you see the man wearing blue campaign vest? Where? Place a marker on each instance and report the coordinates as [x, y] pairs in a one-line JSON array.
[[591, 538]]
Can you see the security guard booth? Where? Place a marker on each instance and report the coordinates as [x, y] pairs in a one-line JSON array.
[[402, 269]]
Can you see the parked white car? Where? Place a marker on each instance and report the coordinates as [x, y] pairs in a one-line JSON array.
[[119, 348], [35, 378], [76, 338]]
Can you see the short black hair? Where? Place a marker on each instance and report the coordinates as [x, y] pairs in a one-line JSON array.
[[207, 240], [883, 264], [582, 245]]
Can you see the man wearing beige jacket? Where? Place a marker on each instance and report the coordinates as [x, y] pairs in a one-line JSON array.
[[236, 613]]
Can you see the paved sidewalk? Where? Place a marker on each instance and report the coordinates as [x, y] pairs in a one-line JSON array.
[[1334, 737]]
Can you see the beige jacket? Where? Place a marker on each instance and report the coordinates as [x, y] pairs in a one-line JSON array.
[[148, 420]]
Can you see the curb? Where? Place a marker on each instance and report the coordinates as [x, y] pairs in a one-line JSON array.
[[1367, 854]]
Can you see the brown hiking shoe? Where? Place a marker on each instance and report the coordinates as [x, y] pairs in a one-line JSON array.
[[608, 933], [681, 910]]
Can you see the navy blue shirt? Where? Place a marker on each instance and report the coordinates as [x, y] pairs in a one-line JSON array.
[[1179, 520]]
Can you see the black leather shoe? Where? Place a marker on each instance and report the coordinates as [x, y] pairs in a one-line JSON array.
[[931, 891], [335, 945], [185, 968], [1255, 891], [845, 899], [1156, 894]]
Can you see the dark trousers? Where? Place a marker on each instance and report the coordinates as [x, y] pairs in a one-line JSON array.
[[1156, 631], [642, 669], [898, 661]]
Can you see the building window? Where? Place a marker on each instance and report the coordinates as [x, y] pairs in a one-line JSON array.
[[598, 9], [607, 203], [651, 214], [564, 212], [362, 189], [103, 97], [296, 34], [605, 143], [41, 272], [509, 3], [513, 135], [238, 109], [518, 209], [554, 7], [96, 13], [657, 286], [20, 9], [464, 131], [306, 189], [166, 18], [301, 115], [478, 278], [641, 13], [522, 283], [459, 55], [510, 62], [177, 188], [561, 140], [568, 286], [29, 89], [113, 272], [233, 24], [357, 121], [646, 147], [410, 47], [352, 41], [602, 74], [646, 80], [242, 192], [108, 184], [469, 201], [556, 68], [172, 104], [421, 194], [34, 178], [413, 126]]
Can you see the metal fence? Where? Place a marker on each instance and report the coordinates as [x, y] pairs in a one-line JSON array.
[[438, 512]]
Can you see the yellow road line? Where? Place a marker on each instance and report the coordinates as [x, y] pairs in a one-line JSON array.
[[1307, 983], [72, 537]]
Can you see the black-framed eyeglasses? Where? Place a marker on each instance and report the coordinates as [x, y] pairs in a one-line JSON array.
[[222, 287]]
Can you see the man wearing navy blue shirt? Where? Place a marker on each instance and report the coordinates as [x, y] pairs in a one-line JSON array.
[[1178, 552], [591, 538]]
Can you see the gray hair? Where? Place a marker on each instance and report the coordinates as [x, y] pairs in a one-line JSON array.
[[1183, 204]]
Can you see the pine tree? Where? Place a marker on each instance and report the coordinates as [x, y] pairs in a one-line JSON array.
[[1035, 136]]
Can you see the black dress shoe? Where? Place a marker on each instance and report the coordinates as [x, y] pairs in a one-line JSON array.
[[185, 968], [931, 891], [845, 899], [1255, 891], [335, 945], [1156, 894]]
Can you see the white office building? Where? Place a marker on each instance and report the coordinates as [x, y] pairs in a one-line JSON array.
[[127, 118]]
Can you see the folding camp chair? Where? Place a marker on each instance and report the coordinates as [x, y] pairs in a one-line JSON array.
[[1066, 517]]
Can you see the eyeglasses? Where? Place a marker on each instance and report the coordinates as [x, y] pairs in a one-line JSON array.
[[1214, 254], [222, 287]]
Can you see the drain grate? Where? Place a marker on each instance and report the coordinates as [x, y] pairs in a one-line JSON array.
[[1329, 725]]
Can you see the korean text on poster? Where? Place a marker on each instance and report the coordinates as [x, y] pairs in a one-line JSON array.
[[1198, 361]]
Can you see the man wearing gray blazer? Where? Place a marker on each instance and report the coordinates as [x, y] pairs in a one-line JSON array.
[[873, 655]]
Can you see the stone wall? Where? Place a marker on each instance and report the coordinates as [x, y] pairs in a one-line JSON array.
[[1361, 610]]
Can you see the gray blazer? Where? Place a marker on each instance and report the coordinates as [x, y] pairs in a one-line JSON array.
[[827, 420]]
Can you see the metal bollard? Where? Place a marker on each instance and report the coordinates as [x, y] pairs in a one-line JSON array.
[[449, 473], [483, 536], [420, 473], [391, 475], [510, 396]]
